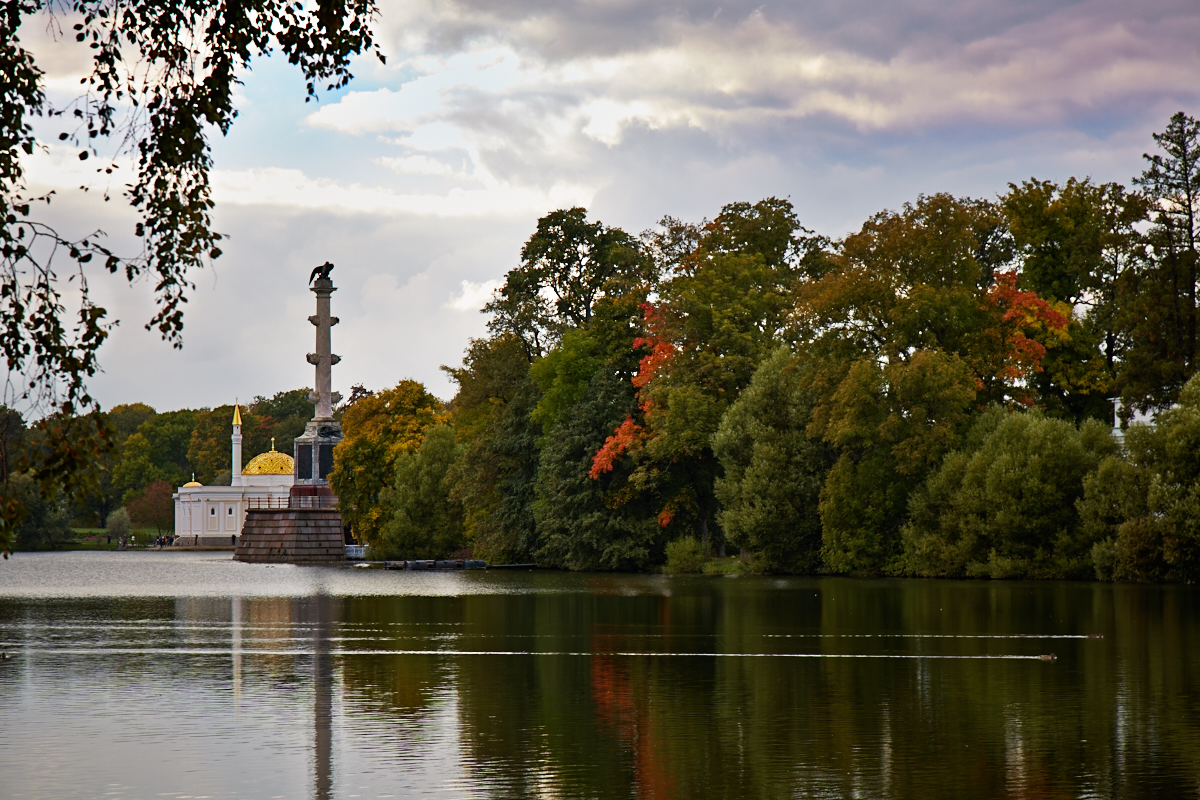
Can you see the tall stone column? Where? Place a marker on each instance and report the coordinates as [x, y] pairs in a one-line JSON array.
[[324, 359], [309, 530], [314, 448]]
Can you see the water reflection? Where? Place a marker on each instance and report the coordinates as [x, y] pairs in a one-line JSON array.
[[322, 626], [602, 686]]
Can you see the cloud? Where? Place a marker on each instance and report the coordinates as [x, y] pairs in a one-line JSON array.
[[292, 188], [388, 109], [535, 94], [423, 179], [422, 165], [473, 296]]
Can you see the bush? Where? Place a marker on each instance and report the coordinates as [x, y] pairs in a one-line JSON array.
[[1006, 508], [1144, 506], [686, 555], [118, 523], [422, 520]]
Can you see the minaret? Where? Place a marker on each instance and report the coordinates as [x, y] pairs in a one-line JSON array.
[[314, 448], [237, 446]]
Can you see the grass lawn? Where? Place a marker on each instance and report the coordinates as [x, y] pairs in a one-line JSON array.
[[730, 565], [97, 539]]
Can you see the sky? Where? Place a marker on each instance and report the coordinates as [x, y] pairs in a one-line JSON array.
[[422, 179]]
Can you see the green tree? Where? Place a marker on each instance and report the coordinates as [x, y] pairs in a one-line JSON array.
[[563, 375], [280, 418], [495, 475], [422, 520], [1005, 506], [1058, 233], [157, 452], [492, 372], [917, 325], [162, 80], [126, 418], [378, 428], [720, 312], [587, 523], [1115, 515], [118, 523], [45, 524], [889, 426], [685, 555], [1079, 244], [1163, 309], [567, 307], [496, 478], [96, 496], [567, 266], [773, 473], [210, 447]]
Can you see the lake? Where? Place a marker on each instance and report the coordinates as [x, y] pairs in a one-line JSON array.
[[187, 675]]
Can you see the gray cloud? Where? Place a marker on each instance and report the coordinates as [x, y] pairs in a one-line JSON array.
[[878, 65], [878, 30], [433, 171]]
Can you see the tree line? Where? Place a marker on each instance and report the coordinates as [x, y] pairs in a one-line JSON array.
[[146, 457], [929, 395]]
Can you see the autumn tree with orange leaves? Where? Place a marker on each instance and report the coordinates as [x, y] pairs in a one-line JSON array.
[[720, 310], [919, 324]]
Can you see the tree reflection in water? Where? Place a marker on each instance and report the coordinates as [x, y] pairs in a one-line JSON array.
[[551, 685]]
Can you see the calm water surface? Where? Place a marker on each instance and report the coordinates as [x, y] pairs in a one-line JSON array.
[[185, 675]]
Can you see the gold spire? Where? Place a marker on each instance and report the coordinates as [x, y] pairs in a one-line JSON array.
[[272, 444], [237, 415]]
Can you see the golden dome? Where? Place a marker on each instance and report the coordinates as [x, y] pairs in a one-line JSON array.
[[190, 484], [272, 462]]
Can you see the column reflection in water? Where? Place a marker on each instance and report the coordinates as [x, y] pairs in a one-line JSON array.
[[322, 611], [235, 649]]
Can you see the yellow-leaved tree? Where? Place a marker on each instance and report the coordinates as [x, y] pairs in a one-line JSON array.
[[378, 428]]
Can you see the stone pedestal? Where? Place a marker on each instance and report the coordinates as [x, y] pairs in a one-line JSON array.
[[292, 536], [314, 451]]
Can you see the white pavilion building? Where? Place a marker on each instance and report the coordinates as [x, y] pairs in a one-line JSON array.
[[213, 515]]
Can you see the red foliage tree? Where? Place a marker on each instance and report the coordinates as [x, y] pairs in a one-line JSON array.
[[629, 434], [154, 507], [1019, 319]]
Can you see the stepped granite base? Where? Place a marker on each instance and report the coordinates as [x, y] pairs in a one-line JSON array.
[[292, 536]]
